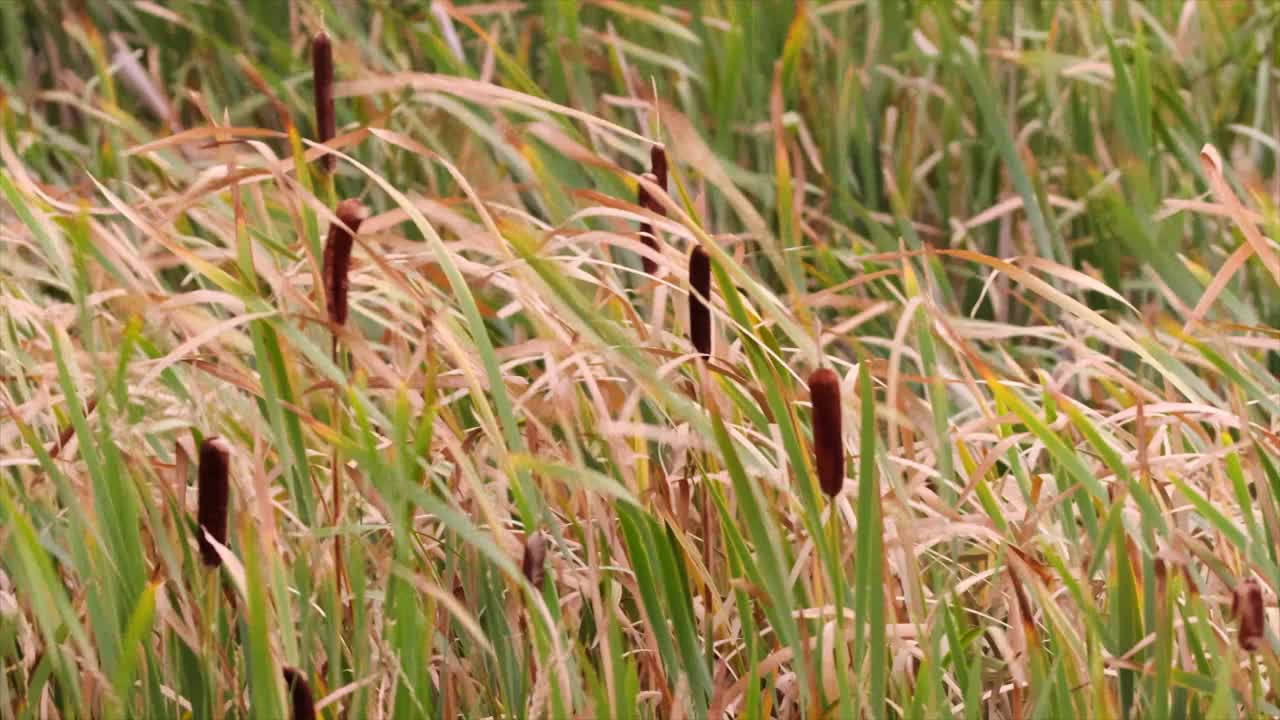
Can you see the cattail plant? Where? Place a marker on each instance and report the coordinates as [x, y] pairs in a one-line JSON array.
[[337, 258], [658, 176], [699, 297], [1249, 610], [533, 564], [322, 78], [214, 492], [300, 698], [337, 267], [828, 437]]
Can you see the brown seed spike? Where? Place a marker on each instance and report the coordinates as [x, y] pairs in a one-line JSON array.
[[533, 564], [322, 78], [337, 258], [828, 437], [1249, 610], [699, 296], [658, 166], [647, 234], [300, 698], [214, 491]]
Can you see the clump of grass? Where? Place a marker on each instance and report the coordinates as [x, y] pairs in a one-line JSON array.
[[699, 296], [213, 496], [322, 80], [828, 432], [301, 702]]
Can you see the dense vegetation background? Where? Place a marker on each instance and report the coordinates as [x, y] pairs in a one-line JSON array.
[[1032, 239]]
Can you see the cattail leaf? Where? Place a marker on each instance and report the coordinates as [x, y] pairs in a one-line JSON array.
[[868, 598], [639, 548], [769, 551], [136, 631], [257, 637]]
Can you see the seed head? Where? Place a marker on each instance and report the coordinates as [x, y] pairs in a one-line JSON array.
[[213, 493], [658, 176], [535, 556], [647, 234], [1249, 609], [658, 166], [300, 698], [337, 258], [322, 78], [828, 437], [699, 296]]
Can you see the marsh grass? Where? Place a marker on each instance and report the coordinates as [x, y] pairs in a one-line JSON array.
[[1031, 242]]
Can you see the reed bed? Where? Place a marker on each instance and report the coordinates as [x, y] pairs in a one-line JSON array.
[[986, 428]]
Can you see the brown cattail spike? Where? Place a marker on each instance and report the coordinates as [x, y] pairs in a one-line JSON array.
[[322, 78], [535, 557], [658, 166], [337, 258], [1250, 611], [647, 234], [699, 296], [658, 176], [300, 698], [828, 436], [213, 493]]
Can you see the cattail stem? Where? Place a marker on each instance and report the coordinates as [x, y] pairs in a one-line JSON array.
[[699, 297], [708, 639], [828, 435], [335, 466], [322, 78], [214, 492], [301, 701]]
